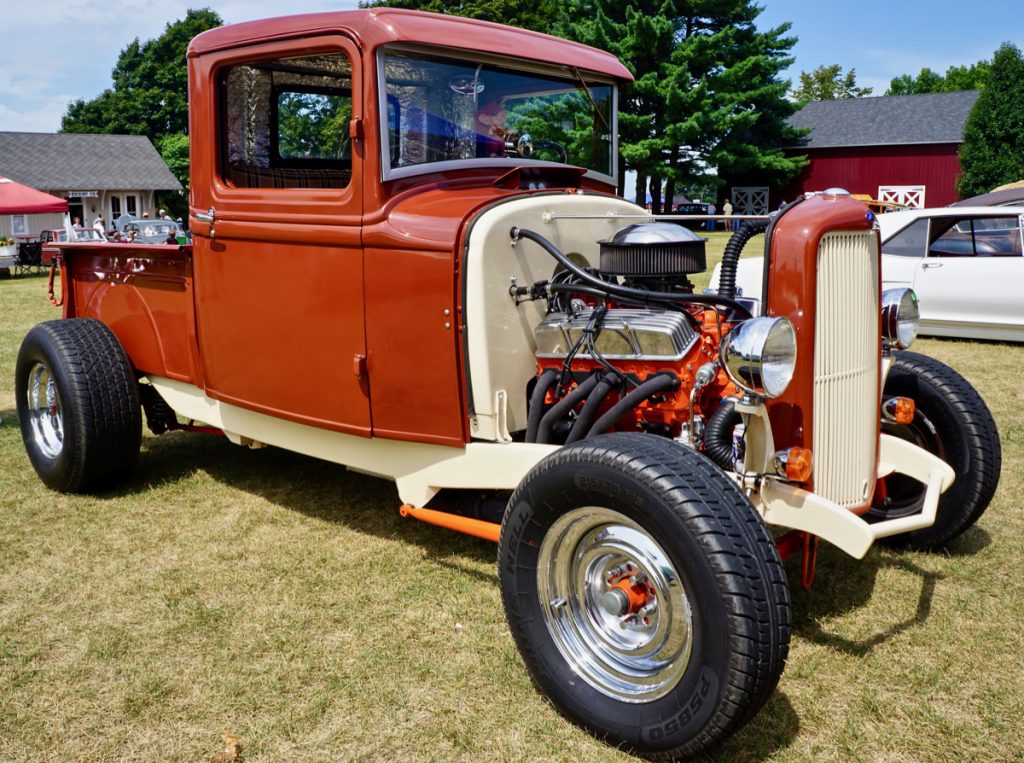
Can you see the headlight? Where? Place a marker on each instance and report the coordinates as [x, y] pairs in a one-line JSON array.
[[760, 355], [900, 317]]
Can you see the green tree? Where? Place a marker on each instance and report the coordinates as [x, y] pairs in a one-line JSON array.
[[707, 91], [527, 14], [149, 96], [993, 149], [828, 83], [174, 149], [956, 78], [149, 93]]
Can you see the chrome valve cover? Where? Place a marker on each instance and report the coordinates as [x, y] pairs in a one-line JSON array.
[[624, 334]]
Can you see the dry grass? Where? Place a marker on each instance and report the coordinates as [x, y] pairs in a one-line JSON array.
[[282, 599]]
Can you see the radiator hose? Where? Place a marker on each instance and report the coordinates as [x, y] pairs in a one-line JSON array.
[[718, 434], [731, 257]]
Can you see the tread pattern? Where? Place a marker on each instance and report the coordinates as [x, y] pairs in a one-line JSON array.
[[100, 403], [737, 546], [953, 401]]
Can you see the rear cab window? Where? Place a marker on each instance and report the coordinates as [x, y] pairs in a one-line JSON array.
[[285, 123]]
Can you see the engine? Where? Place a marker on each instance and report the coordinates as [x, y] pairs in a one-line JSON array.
[[628, 347]]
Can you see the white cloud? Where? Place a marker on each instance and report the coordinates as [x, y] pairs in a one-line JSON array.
[[55, 47]]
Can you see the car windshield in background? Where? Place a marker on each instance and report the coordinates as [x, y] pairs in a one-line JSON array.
[[88, 234], [446, 110], [157, 229]]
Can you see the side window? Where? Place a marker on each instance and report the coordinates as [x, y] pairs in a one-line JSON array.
[[912, 241], [978, 237], [285, 123]]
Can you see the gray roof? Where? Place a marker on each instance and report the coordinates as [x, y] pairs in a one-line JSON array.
[[80, 161], [886, 120]]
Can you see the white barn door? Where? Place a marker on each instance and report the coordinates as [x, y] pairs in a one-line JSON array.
[[909, 195]]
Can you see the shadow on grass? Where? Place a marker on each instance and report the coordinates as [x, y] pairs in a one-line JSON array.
[[299, 483], [768, 733], [843, 585]]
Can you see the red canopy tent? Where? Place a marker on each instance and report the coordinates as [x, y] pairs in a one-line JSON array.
[[18, 199]]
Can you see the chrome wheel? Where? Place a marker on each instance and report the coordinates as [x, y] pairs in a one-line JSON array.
[[614, 605], [46, 419]]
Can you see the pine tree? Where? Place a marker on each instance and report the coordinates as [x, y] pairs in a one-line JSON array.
[[707, 92], [993, 149]]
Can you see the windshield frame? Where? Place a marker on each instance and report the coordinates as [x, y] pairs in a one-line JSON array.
[[569, 74]]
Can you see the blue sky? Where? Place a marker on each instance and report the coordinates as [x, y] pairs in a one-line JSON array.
[[56, 50]]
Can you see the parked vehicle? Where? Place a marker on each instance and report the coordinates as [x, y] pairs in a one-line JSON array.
[[53, 236], [150, 231], [1002, 197], [966, 265], [423, 298]]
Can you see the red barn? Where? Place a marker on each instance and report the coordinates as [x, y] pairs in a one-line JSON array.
[[898, 148]]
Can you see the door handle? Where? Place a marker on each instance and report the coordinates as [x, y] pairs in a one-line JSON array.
[[926, 265], [210, 216]]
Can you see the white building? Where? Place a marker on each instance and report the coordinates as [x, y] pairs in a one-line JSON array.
[[97, 174]]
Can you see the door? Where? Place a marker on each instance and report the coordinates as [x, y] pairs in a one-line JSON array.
[[911, 196], [279, 269], [970, 280]]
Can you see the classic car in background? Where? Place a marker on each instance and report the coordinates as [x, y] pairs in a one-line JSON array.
[[965, 264], [150, 231], [53, 236]]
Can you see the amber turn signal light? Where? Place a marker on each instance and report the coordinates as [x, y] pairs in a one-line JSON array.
[[899, 409], [794, 464]]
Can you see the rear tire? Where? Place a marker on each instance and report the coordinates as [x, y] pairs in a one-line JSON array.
[[952, 422], [78, 404], [711, 650]]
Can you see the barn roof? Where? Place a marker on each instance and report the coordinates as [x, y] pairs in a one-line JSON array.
[[885, 120], [59, 161]]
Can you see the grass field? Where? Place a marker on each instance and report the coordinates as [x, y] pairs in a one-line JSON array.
[[284, 600]]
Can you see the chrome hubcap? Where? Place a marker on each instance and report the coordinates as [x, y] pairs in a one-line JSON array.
[[45, 416], [614, 605]]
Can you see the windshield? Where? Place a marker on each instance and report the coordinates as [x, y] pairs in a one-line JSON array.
[[446, 110]]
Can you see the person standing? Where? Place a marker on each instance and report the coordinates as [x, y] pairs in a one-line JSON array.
[[727, 210], [97, 224]]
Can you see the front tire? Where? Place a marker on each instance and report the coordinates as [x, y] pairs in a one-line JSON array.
[[78, 404], [645, 594], [951, 421]]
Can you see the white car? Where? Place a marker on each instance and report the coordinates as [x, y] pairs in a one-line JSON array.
[[965, 263]]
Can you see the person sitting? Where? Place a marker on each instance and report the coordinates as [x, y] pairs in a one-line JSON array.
[[171, 238]]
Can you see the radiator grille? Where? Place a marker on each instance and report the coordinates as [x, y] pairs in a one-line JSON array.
[[846, 368]]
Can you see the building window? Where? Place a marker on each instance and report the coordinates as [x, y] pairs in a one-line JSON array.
[[131, 205], [19, 225], [115, 207]]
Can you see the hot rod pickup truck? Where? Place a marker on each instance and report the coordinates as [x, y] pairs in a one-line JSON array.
[[408, 258]]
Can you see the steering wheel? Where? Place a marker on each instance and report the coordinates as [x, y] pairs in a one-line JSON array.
[[526, 146]]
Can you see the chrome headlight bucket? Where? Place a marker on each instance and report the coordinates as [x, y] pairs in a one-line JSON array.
[[759, 355], [900, 317]]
